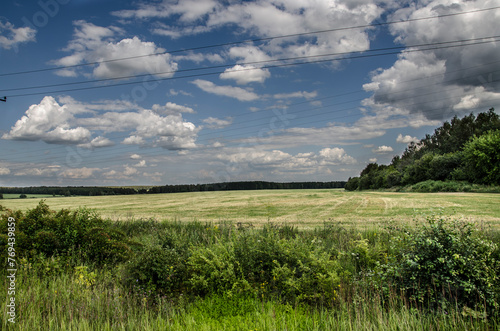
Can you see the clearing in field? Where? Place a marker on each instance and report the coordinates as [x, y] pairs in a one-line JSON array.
[[303, 208]]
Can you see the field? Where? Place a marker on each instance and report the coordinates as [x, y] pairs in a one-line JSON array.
[[303, 208], [314, 260]]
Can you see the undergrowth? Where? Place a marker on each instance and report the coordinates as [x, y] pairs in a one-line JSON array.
[[78, 271]]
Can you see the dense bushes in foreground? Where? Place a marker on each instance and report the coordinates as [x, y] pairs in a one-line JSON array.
[[446, 272]]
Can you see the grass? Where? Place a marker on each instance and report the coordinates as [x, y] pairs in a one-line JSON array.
[[63, 304], [303, 208], [52, 296]]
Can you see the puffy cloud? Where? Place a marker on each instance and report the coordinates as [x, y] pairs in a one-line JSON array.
[[217, 123], [134, 140], [335, 156], [169, 132], [140, 164], [50, 122], [129, 171], [135, 157], [383, 149], [269, 19], [264, 19], [57, 124], [406, 139], [251, 72], [171, 108], [10, 36], [98, 142], [244, 74], [441, 82], [228, 91], [93, 43], [4, 171]]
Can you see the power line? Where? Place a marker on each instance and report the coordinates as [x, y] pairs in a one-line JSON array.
[[239, 129], [263, 67], [161, 152], [264, 61], [252, 41], [358, 91]]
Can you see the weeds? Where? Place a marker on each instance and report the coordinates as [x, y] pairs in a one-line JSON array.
[[143, 274]]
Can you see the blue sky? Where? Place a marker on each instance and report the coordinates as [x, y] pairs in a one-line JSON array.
[[202, 91]]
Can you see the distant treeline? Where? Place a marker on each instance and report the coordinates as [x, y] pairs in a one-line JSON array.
[[463, 150], [96, 191]]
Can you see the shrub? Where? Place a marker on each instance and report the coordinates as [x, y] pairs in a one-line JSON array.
[[157, 269], [446, 263], [105, 245], [41, 230], [46, 242]]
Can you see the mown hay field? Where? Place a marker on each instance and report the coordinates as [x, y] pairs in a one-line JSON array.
[[303, 208]]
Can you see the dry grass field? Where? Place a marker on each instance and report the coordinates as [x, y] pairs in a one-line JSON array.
[[304, 208]]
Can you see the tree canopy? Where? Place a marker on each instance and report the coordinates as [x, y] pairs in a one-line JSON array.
[[464, 149]]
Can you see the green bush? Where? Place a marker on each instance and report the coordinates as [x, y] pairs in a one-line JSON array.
[[105, 246], [43, 231], [157, 269], [45, 242], [273, 262], [446, 263]]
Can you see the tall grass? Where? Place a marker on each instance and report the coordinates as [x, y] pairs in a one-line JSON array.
[[224, 276], [61, 303]]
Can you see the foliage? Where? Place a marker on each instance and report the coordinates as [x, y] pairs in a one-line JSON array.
[[43, 231], [482, 157], [465, 149], [439, 275], [445, 264], [226, 186]]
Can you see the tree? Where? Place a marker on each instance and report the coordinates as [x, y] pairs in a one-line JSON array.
[[482, 158], [352, 184], [1, 195], [23, 196]]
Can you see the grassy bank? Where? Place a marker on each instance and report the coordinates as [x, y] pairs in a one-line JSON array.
[[79, 271]]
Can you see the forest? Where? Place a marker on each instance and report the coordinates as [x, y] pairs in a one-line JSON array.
[[464, 150], [228, 186]]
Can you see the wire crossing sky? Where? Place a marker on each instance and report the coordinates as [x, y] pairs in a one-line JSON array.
[[202, 91]]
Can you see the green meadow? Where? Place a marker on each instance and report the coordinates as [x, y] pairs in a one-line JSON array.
[[254, 260], [303, 208]]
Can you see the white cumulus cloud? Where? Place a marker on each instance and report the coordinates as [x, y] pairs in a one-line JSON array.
[[245, 74], [228, 91], [383, 149], [10, 36], [406, 139], [217, 123], [93, 43], [57, 124], [442, 81], [50, 122]]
